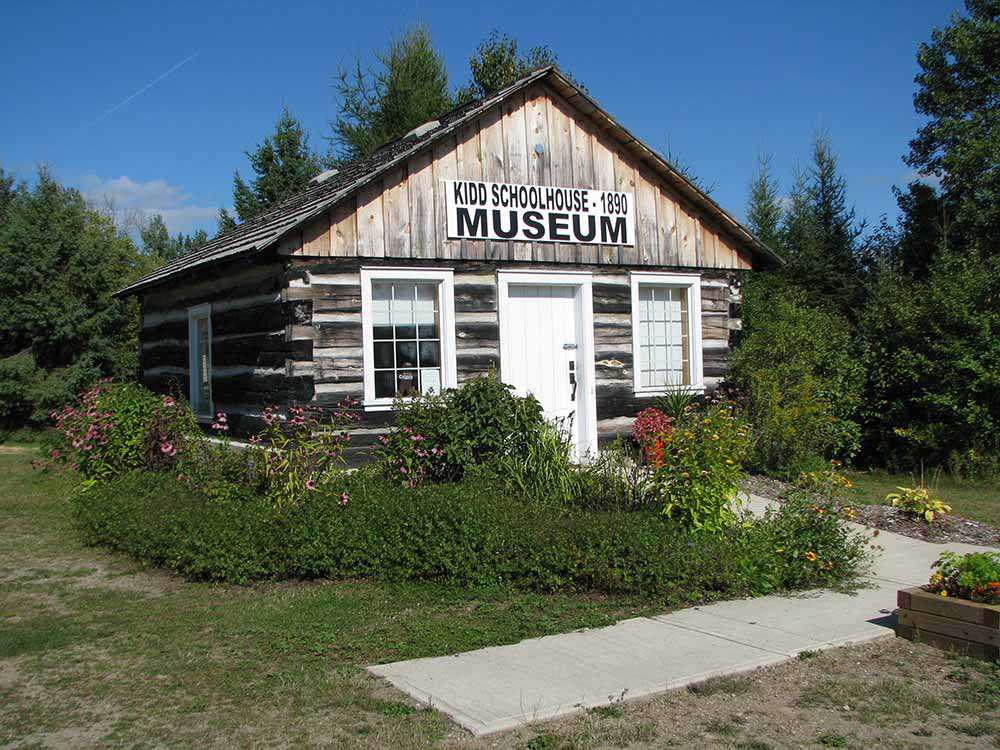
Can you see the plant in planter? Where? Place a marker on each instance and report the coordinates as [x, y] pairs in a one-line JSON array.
[[957, 610], [974, 576], [917, 501]]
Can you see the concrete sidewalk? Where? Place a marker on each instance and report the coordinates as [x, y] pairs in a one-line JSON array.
[[505, 686]]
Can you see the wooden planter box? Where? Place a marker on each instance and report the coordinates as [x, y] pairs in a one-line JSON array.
[[950, 624]]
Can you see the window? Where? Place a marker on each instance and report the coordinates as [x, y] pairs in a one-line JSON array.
[[200, 359], [409, 333], [666, 332]]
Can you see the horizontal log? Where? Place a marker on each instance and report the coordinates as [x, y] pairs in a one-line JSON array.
[[949, 643], [918, 600]]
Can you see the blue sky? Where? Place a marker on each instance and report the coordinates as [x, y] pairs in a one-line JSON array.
[[713, 83]]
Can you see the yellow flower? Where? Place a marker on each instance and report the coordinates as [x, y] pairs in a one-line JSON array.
[[811, 556], [715, 436], [779, 550], [944, 593]]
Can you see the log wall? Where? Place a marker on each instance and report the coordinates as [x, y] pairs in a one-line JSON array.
[[333, 339], [534, 137], [251, 342]]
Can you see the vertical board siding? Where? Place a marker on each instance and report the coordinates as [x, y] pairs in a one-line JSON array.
[[515, 141], [534, 137], [470, 167], [423, 218], [396, 210], [445, 168]]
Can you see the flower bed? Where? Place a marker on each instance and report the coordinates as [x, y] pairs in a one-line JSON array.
[[472, 488], [959, 609]]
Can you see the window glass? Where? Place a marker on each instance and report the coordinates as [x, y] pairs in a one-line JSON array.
[[406, 342], [663, 347], [201, 374]]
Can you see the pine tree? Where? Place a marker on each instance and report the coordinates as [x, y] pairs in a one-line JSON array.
[[409, 88], [764, 210], [156, 239], [959, 94], [497, 63], [819, 235], [225, 222], [283, 165]]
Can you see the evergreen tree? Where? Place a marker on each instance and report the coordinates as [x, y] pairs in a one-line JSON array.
[[158, 244], [959, 92], [156, 239], [409, 88], [283, 165], [497, 63], [60, 262], [819, 235], [923, 228], [225, 222], [764, 211]]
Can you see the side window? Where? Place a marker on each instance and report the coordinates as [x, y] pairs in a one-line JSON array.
[[200, 359], [666, 332], [409, 333]]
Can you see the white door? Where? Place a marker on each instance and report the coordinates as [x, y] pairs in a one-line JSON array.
[[542, 353]]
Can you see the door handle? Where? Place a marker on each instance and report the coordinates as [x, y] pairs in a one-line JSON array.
[[572, 381]]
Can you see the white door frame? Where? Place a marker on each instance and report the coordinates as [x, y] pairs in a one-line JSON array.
[[586, 389]]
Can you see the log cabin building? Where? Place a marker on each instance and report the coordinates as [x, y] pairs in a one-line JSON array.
[[528, 232]]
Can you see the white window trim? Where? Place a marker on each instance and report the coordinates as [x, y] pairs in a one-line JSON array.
[[449, 368], [692, 282], [195, 314]]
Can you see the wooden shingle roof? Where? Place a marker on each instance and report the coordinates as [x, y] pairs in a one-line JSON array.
[[269, 228]]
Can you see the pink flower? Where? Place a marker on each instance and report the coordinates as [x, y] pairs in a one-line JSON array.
[[55, 455], [168, 401], [310, 485], [343, 498], [168, 448]]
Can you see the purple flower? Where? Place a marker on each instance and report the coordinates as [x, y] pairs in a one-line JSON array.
[[343, 498]]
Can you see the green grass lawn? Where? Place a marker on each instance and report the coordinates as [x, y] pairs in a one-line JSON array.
[[94, 651], [979, 501]]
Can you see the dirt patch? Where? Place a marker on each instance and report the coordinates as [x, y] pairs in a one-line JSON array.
[[950, 528], [890, 693], [17, 449]]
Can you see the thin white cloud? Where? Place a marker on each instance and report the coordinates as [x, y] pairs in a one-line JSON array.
[[143, 199], [916, 176], [141, 90]]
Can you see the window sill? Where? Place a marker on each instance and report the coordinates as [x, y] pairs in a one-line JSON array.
[[694, 390]]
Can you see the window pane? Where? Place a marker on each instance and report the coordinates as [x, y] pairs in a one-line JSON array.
[[430, 354], [385, 384], [381, 332], [406, 383], [430, 381], [383, 354], [429, 331], [406, 354], [406, 332]]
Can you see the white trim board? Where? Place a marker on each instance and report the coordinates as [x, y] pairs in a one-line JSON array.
[[446, 300], [691, 282]]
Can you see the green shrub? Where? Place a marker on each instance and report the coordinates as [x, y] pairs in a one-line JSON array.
[[616, 480], [932, 356], [464, 534], [441, 437], [696, 464], [802, 544], [801, 380]]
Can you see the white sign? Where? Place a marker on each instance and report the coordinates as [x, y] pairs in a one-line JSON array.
[[535, 213]]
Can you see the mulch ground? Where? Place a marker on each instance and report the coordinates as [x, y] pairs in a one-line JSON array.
[[950, 528]]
